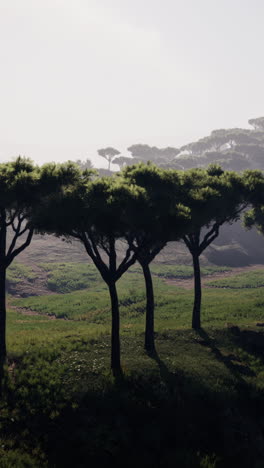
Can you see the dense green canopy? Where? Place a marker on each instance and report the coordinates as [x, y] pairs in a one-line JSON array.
[[23, 186], [161, 218]]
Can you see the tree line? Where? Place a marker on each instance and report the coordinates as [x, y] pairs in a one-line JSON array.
[[143, 206], [234, 149]]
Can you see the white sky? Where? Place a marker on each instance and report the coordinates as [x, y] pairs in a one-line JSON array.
[[78, 75]]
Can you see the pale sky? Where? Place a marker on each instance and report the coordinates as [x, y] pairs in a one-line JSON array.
[[78, 75]]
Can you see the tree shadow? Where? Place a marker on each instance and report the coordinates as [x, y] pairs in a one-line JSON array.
[[252, 342], [172, 380], [118, 377], [150, 420], [232, 363]]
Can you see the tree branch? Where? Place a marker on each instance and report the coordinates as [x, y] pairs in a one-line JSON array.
[[126, 258], [12, 245], [12, 218], [96, 258], [123, 267], [187, 242], [156, 250], [112, 256], [93, 243], [10, 257], [209, 237]]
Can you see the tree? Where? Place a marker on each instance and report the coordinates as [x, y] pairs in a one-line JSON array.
[[87, 164], [257, 123], [254, 181], [161, 217], [235, 147], [215, 197], [100, 214], [108, 154], [144, 153], [255, 217], [17, 188], [123, 161], [22, 184]]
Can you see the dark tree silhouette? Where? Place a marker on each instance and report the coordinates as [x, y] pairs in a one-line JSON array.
[[17, 194], [100, 214], [161, 217], [215, 197], [22, 184]]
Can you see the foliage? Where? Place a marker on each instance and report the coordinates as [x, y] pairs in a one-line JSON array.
[[67, 277]]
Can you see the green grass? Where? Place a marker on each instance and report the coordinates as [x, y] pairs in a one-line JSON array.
[[66, 277], [173, 304], [183, 406], [192, 405], [18, 272], [183, 271], [251, 279]]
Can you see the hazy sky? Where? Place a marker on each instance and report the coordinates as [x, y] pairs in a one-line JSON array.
[[78, 75]]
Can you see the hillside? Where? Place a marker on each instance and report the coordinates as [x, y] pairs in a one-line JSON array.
[[235, 149], [197, 403], [234, 247]]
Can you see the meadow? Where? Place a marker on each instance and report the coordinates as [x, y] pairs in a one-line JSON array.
[[197, 403]]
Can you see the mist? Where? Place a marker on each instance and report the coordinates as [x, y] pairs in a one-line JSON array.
[[78, 77]]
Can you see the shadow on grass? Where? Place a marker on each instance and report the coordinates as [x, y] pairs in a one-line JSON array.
[[235, 368], [152, 418], [252, 342], [172, 380]]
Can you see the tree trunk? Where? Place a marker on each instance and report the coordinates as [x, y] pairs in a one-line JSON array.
[[149, 331], [115, 337], [196, 317], [2, 304]]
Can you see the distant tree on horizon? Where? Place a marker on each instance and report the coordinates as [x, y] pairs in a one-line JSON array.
[[109, 154], [234, 149], [84, 164], [257, 123]]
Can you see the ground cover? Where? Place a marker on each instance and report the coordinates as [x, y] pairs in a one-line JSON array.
[[64, 277], [199, 402], [19, 272], [252, 279], [173, 304]]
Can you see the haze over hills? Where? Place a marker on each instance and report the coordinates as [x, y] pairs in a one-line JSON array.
[[234, 149]]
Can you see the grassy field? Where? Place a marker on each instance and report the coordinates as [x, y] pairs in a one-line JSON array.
[[198, 403], [17, 272], [67, 277], [173, 304], [252, 279]]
